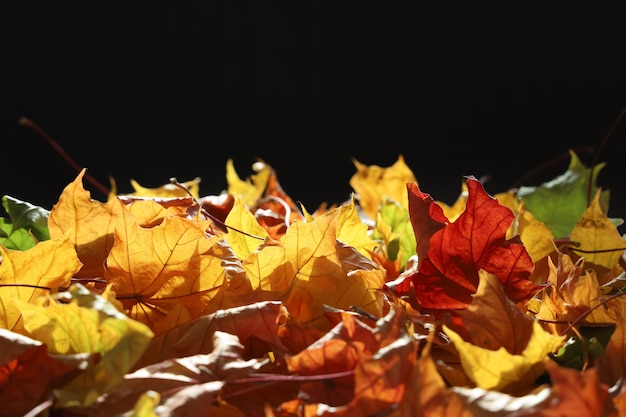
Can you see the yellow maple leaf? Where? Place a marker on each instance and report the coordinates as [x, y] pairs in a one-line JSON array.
[[169, 190], [150, 212], [500, 370], [352, 231], [85, 322], [241, 219], [374, 184], [573, 291], [597, 236], [33, 273], [90, 225], [252, 188], [167, 274], [535, 235], [305, 270]]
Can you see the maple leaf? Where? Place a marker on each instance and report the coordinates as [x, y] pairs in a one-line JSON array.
[[33, 273], [573, 291], [93, 239], [189, 384], [375, 184], [167, 274], [559, 203], [240, 218], [493, 321], [169, 190], [255, 324], [393, 228], [305, 270], [611, 364], [535, 235], [26, 226], [453, 253], [381, 359], [577, 393], [503, 371], [252, 188], [79, 321], [29, 373], [597, 237]]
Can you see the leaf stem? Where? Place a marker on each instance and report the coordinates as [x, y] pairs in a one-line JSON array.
[[23, 121]]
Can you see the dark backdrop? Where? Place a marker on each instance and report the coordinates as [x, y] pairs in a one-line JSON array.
[[153, 90]]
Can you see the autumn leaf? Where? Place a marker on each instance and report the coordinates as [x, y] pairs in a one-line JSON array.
[[577, 393], [573, 292], [252, 188], [394, 230], [455, 252], [34, 273], [381, 359], [79, 321], [240, 218], [375, 184], [256, 326], [305, 270], [612, 364], [501, 370], [535, 235], [182, 385], [170, 190], [597, 237], [492, 321], [560, 203], [90, 225], [168, 274], [352, 231], [29, 373], [26, 225]]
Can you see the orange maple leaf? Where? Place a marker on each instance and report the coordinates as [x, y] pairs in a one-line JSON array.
[[308, 268], [89, 223], [168, 274], [577, 393], [29, 373]]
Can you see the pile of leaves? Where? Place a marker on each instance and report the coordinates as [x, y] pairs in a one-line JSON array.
[[164, 302]]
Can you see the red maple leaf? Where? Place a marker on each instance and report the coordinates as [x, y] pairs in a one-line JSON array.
[[451, 253]]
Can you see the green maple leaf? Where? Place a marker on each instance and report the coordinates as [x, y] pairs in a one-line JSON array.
[[26, 225], [560, 203]]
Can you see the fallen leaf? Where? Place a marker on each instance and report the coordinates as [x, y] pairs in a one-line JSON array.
[[34, 273]]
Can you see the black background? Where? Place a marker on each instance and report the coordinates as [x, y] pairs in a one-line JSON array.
[[153, 90]]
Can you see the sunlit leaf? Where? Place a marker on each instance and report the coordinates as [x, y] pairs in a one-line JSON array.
[[251, 189], [455, 252], [168, 190], [503, 371], [598, 237], [560, 203], [33, 273], [168, 274], [375, 184], [493, 321], [89, 222], [240, 218], [26, 225], [79, 321], [305, 271]]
